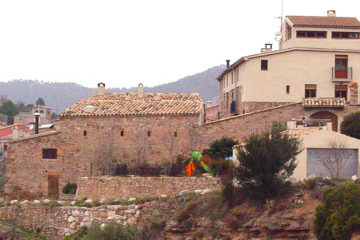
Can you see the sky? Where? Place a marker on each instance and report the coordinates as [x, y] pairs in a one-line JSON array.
[[123, 43]]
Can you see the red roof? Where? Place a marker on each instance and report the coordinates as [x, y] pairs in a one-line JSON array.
[[6, 131], [328, 22]]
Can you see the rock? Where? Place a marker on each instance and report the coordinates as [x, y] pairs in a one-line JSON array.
[[89, 201], [102, 226], [198, 191], [206, 191], [112, 207], [130, 211], [163, 196], [73, 203], [61, 202], [132, 199], [73, 225], [13, 202], [71, 219], [182, 193], [312, 176], [292, 180], [36, 202], [354, 178], [47, 201], [25, 202], [131, 221], [87, 213], [75, 213], [208, 175], [103, 201]]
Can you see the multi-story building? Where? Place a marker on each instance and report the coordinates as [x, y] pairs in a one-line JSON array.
[[317, 63]]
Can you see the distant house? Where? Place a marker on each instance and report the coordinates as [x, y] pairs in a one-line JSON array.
[[3, 120], [321, 146], [212, 112], [28, 117]]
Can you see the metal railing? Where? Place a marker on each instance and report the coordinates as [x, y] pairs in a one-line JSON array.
[[342, 74]]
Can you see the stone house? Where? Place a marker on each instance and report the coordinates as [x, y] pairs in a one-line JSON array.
[[3, 119], [108, 128], [316, 65], [28, 117]]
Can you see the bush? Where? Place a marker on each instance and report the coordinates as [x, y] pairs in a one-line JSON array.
[[2, 182], [69, 188], [121, 170], [339, 215], [265, 162], [146, 170], [351, 125], [113, 231], [221, 149]]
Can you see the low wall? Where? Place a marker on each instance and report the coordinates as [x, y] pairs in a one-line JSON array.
[[141, 187]]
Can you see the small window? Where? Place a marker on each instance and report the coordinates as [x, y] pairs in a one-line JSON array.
[[311, 34], [310, 90], [175, 134], [149, 133], [5, 148], [345, 35], [122, 133], [85, 133], [341, 91], [287, 89], [264, 64], [49, 153]]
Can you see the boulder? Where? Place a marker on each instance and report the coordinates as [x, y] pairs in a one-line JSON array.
[[132, 199], [354, 178], [206, 191], [60, 202], [71, 219], [13, 202], [89, 201], [47, 201], [36, 202], [75, 213], [198, 191]]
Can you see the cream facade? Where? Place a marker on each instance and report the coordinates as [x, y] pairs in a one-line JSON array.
[[318, 57]]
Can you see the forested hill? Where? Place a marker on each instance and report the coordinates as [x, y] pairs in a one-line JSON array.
[[59, 96]]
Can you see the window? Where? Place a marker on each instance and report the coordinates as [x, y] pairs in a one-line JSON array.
[[310, 90], [264, 64], [49, 153], [288, 30], [341, 91], [175, 134], [345, 35], [85, 133], [149, 133], [122, 133], [311, 34], [287, 89], [5, 148]]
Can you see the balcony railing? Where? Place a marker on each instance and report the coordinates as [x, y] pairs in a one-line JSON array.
[[345, 74]]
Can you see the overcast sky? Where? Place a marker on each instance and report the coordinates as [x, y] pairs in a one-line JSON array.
[[126, 42]]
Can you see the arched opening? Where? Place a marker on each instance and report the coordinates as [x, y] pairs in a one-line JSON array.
[[327, 115]]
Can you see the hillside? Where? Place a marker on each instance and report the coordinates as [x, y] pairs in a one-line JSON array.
[[59, 96]]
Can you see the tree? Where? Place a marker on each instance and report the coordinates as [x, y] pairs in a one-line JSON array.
[[9, 109], [40, 102], [351, 125], [221, 149], [334, 158], [54, 116], [265, 162]]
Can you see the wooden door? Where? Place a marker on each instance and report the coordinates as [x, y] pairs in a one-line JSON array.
[[53, 186], [327, 115], [341, 67]]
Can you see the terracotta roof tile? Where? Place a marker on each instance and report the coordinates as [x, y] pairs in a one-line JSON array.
[[323, 102], [328, 22], [112, 104]]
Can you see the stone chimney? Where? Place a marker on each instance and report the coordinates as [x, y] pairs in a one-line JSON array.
[[267, 48], [227, 63], [140, 89], [101, 88], [291, 124], [15, 133], [354, 94], [331, 13]]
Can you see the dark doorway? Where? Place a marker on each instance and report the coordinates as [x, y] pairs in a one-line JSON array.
[[53, 186], [327, 115]]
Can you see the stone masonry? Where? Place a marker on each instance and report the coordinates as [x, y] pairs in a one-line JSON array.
[[141, 187]]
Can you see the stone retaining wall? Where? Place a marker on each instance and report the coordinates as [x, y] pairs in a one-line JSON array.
[[120, 188]]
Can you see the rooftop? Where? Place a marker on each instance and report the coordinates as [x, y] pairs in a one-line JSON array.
[[325, 22], [122, 104]]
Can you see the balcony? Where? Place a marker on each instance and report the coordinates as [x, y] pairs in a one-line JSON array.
[[342, 75]]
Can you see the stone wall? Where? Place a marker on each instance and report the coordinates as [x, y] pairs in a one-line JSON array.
[[141, 187]]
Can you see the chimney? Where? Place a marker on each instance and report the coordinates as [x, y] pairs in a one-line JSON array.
[[15, 133], [354, 93], [268, 47], [36, 115], [291, 124], [227, 63], [101, 88], [140, 89], [331, 13]]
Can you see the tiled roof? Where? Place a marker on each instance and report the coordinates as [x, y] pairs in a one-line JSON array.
[[112, 104], [323, 102], [328, 22], [300, 132]]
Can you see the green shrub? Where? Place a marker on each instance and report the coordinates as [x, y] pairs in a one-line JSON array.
[[339, 215], [265, 162], [113, 231], [221, 149], [69, 188], [2, 182], [351, 125]]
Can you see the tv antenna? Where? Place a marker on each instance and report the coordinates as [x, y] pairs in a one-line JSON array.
[[278, 35]]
